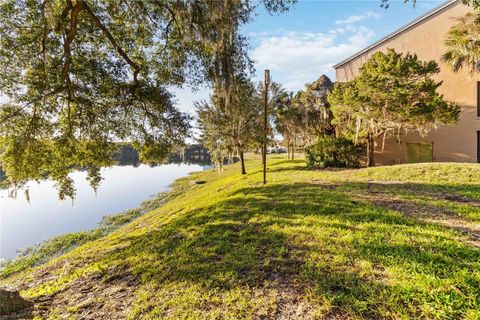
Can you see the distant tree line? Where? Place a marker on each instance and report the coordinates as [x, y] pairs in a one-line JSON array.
[[188, 154]]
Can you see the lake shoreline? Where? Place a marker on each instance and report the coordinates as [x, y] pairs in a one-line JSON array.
[[51, 248], [37, 215]]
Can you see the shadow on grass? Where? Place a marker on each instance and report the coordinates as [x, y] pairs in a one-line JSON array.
[[292, 164], [363, 259]]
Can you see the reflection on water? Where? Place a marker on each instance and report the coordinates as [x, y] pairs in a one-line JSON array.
[[24, 223]]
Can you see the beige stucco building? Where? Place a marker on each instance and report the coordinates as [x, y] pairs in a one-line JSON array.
[[426, 37]]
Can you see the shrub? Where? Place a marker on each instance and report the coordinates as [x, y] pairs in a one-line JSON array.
[[333, 152]]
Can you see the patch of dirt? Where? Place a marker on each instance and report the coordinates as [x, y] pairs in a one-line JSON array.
[[94, 296], [325, 185], [13, 306], [44, 274], [454, 198], [427, 213], [424, 212], [386, 182], [291, 304]]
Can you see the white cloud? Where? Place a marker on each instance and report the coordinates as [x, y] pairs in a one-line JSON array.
[[295, 58], [357, 18]]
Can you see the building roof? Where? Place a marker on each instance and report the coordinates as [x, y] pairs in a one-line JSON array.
[[399, 31]]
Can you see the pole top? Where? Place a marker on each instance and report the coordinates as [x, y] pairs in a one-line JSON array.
[[267, 76]]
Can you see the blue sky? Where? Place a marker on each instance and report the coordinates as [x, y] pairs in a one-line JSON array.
[[302, 44]]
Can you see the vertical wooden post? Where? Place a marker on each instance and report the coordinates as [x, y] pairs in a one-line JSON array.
[[265, 124]]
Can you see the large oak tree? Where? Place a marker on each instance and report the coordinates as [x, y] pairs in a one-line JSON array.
[[79, 75]]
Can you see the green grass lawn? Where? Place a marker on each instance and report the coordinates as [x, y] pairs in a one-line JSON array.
[[398, 242]]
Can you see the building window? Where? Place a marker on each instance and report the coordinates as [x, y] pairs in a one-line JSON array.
[[478, 98]]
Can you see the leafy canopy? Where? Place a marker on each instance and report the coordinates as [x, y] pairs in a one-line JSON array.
[[302, 117], [238, 127], [79, 75], [314, 107]]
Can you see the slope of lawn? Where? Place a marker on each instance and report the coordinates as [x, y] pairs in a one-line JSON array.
[[390, 242]]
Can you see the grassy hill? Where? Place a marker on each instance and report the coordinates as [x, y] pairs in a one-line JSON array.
[[387, 242]]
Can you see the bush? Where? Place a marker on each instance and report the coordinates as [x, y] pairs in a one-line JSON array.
[[333, 152]]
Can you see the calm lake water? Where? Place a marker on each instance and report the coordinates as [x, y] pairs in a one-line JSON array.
[[24, 224]]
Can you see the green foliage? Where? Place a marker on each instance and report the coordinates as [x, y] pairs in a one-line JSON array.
[[233, 128], [393, 93], [287, 118], [3, 182], [463, 43], [303, 117], [314, 108], [333, 152], [78, 75]]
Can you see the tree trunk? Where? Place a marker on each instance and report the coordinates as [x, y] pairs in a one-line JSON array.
[[242, 160], [288, 148], [293, 149], [370, 151]]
